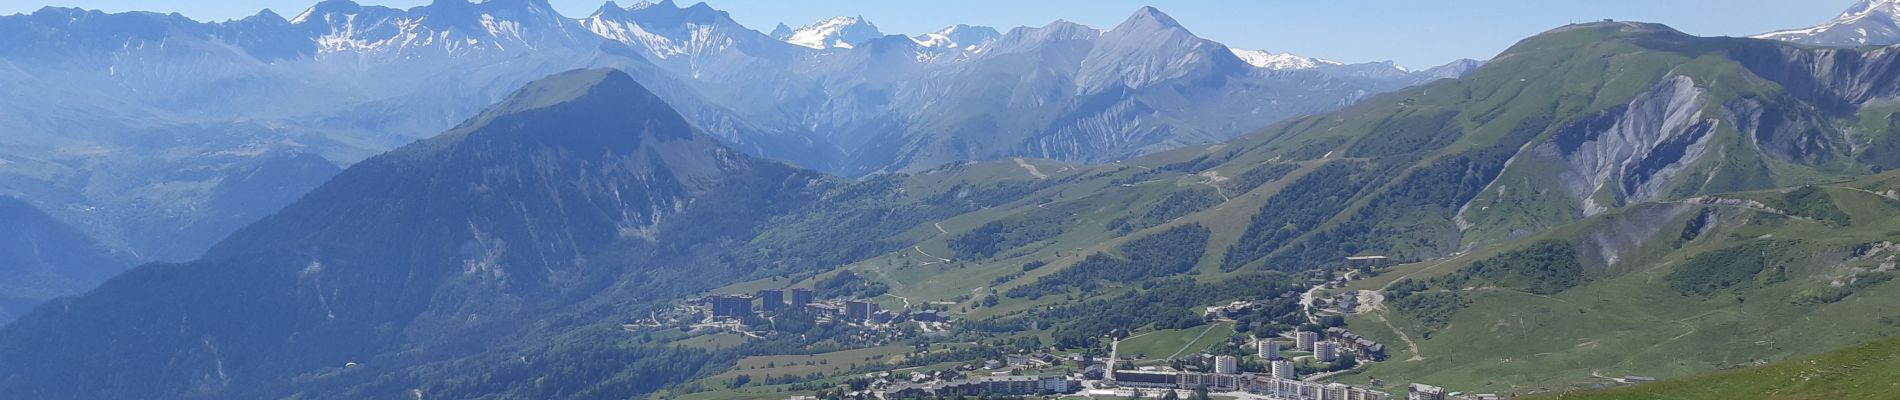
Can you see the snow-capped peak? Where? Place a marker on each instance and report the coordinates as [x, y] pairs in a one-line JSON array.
[[1868, 22], [326, 7], [1870, 7], [838, 32], [1280, 61], [961, 37]]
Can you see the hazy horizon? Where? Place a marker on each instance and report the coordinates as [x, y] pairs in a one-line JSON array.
[[1363, 31]]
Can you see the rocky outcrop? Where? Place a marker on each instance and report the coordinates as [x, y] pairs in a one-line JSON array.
[[1832, 77], [1634, 152]]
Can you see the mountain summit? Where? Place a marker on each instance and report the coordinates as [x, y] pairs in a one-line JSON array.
[[960, 36], [834, 33], [625, 158], [1867, 23], [477, 228], [1281, 61], [1148, 48], [1150, 16]]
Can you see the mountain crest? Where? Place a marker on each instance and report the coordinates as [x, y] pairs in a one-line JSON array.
[[605, 96], [444, 27], [1867, 23], [268, 16], [959, 36], [572, 86], [1151, 47], [327, 7], [1281, 61], [837, 32], [1149, 17], [1872, 7]]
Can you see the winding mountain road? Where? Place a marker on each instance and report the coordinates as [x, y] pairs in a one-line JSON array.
[[1032, 169]]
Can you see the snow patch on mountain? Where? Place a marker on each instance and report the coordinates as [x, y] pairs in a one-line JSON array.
[[616, 28], [961, 37], [1280, 61], [669, 32], [834, 33], [450, 26], [1867, 23]]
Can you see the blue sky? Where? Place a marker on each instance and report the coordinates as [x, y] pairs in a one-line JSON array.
[[1418, 33]]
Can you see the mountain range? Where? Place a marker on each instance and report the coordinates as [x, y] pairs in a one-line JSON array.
[[521, 210], [491, 200], [138, 127], [1643, 168]]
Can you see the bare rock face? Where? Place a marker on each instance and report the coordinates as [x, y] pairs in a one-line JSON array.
[[1633, 152], [1866, 23]]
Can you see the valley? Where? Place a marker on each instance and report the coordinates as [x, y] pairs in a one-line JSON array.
[[280, 103], [657, 202]]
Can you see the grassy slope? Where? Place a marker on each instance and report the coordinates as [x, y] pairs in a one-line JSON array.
[[1621, 324], [1868, 371], [1159, 345], [827, 363], [1516, 91], [1628, 321]]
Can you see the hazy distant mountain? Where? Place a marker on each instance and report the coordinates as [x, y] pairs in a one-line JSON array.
[[1866, 23], [963, 37], [1280, 61], [41, 258], [836, 32], [498, 217], [131, 126], [501, 258], [521, 234]]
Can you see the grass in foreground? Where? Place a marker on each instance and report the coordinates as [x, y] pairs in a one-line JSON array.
[[1868, 371]]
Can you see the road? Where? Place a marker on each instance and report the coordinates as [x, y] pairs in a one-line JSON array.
[[920, 250], [1214, 180], [1114, 353], [1388, 285], [1306, 302], [1031, 168], [1190, 343], [1323, 376], [1685, 324], [1416, 355]]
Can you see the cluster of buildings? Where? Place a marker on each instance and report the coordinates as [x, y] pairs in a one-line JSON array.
[[1270, 385], [1226, 365], [984, 386], [1368, 262], [851, 310], [1235, 310], [767, 300], [1230, 311], [1343, 303], [1283, 369], [1326, 351], [954, 383], [732, 306], [1269, 349], [1420, 391], [1328, 347], [1363, 347]]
